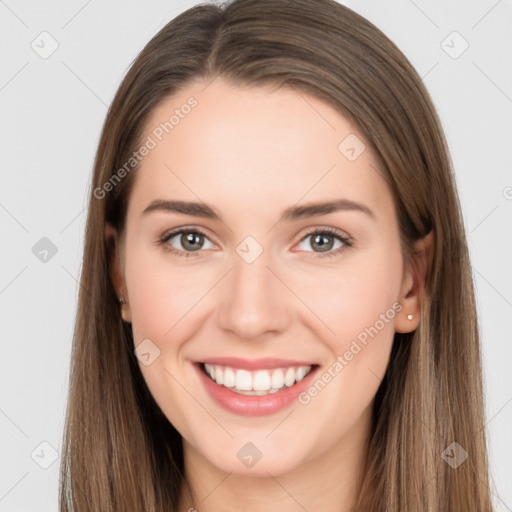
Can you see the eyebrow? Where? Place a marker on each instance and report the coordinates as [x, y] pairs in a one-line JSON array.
[[290, 214]]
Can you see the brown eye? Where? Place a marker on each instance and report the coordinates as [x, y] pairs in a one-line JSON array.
[[191, 241], [327, 240], [323, 242], [185, 241]]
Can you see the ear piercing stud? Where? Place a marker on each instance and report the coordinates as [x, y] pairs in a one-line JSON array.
[[410, 317], [122, 301]]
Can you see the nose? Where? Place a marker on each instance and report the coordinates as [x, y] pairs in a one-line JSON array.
[[253, 300]]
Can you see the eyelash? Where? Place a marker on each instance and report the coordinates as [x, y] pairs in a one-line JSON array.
[[346, 240]]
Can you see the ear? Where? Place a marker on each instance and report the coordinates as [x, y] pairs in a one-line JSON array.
[[116, 269], [413, 284]]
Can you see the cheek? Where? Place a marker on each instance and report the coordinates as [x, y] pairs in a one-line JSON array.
[[355, 304], [358, 303], [162, 300], [162, 293], [352, 296]]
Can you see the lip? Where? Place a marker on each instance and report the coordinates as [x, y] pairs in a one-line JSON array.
[[266, 363], [253, 405]]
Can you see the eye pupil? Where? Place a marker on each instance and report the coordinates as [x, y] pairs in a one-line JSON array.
[[188, 239], [323, 242]]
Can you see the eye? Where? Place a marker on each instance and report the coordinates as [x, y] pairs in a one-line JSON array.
[[192, 240], [324, 240], [188, 241]]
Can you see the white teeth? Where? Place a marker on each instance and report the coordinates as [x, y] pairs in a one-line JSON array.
[[301, 373], [277, 379], [260, 382], [229, 378], [289, 378], [243, 380]]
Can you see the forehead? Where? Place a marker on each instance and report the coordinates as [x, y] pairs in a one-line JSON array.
[[248, 147]]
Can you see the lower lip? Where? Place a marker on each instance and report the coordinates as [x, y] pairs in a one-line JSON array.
[[253, 405]]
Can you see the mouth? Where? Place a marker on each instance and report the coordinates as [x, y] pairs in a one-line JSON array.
[[256, 382]]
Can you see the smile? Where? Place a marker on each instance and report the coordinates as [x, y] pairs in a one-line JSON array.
[[260, 382], [254, 392]]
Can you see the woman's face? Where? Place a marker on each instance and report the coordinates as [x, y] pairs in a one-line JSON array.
[[247, 279]]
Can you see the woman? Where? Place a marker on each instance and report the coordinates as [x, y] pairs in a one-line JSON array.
[[276, 306]]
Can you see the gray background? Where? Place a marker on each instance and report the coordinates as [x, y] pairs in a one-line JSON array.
[[52, 112]]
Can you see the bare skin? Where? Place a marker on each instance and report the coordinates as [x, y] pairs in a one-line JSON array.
[[250, 153]]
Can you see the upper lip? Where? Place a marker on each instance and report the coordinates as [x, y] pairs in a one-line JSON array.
[[255, 364]]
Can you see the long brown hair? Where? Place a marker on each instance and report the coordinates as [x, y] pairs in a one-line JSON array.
[[119, 450]]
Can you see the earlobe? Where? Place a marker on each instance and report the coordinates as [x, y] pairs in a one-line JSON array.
[[125, 313], [116, 271], [413, 285]]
